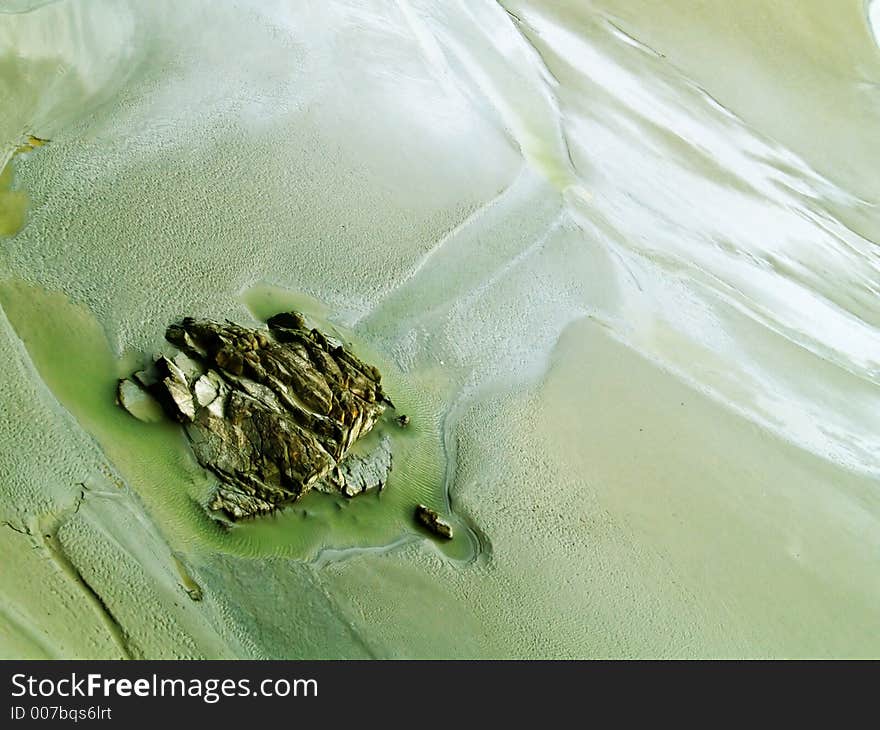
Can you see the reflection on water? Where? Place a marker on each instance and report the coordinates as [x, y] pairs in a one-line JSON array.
[[873, 8]]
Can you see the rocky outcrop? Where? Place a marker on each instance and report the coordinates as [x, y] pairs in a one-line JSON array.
[[433, 521], [272, 413]]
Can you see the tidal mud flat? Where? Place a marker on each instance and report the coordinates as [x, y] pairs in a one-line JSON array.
[[637, 341]]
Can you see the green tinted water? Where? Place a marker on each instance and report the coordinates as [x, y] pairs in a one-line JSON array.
[[73, 357], [13, 203]]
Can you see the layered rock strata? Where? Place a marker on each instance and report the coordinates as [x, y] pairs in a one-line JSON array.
[[271, 412]]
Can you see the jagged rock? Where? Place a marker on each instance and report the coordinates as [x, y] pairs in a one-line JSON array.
[[272, 413], [359, 473], [172, 390], [433, 521], [191, 369], [364, 473]]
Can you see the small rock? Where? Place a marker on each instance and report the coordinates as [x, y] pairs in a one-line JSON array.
[[433, 521], [138, 402], [402, 421], [287, 320], [173, 390]]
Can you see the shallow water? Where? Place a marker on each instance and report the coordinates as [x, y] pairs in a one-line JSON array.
[[617, 260]]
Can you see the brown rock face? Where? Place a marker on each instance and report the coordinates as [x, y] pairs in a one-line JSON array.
[[271, 413], [433, 521]]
